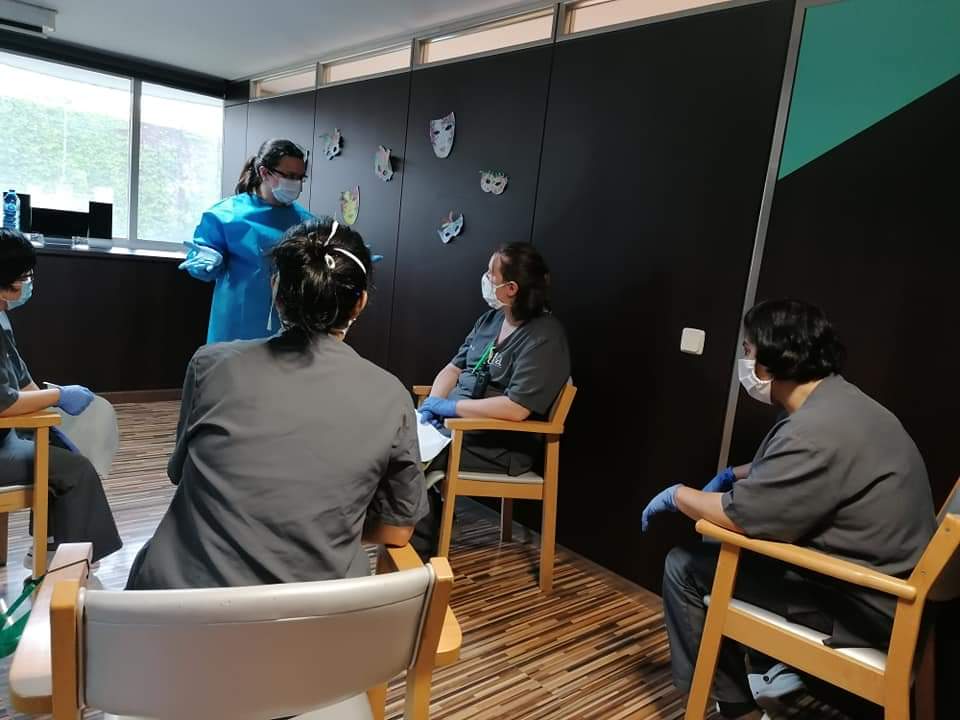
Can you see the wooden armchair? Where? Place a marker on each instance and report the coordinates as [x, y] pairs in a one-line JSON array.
[[528, 486], [30, 497], [882, 678], [242, 653]]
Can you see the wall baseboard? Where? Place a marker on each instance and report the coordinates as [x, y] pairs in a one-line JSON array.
[[142, 396]]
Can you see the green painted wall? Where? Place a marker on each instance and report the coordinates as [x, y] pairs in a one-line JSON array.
[[861, 60]]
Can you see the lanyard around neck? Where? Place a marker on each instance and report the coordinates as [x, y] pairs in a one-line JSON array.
[[485, 357]]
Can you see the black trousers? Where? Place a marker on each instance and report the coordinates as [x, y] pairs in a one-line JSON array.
[[78, 511], [688, 576]]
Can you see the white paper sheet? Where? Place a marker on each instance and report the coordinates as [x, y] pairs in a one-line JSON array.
[[432, 441]]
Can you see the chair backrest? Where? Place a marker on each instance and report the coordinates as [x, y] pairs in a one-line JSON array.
[[561, 406], [251, 652], [938, 572], [951, 504]]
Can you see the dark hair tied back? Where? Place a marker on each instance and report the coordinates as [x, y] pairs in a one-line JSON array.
[[269, 156], [319, 283], [520, 263], [794, 340]]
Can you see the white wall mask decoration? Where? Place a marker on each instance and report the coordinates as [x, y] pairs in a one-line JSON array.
[[493, 182], [331, 144], [383, 164], [450, 228], [442, 132]]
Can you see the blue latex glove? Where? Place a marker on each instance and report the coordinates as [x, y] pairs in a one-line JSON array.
[[373, 258], [722, 482], [74, 399], [428, 418], [201, 260], [439, 407], [663, 501]]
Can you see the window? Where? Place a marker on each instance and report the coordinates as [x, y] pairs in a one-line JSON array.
[[509, 32], [593, 14], [65, 136], [304, 78], [181, 135], [396, 58]]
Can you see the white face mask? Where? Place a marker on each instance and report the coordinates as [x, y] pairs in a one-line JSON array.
[[756, 388], [287, 191], [489, 291]]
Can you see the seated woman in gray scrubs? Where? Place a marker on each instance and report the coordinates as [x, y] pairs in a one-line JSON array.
[[837, 473], [290, 450], [79, 511], [511, 366]]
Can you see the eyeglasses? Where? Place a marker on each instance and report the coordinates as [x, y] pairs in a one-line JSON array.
[[287, 176]]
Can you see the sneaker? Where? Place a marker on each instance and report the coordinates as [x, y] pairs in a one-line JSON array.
[[777, 682]]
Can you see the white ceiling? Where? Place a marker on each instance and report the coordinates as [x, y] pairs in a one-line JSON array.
[[238, 38]]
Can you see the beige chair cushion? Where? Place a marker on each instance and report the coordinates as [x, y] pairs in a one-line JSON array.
[[868, 656], [18, 488], [527, 478]]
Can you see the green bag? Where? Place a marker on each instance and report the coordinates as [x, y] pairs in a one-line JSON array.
[[12, 629]]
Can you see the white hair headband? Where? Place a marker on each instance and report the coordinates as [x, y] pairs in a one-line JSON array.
[[330, 261]]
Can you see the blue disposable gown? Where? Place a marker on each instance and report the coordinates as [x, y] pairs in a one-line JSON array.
[[244, 229]]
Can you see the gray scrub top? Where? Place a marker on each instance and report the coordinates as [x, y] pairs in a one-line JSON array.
[[530, 367], [282, 455], [13, 371], [840, 475]]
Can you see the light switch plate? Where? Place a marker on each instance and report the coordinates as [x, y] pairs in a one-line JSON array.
[[692, 341]]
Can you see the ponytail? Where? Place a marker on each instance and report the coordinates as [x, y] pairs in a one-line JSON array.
[[321, 278], [269, 155], [249, 177]]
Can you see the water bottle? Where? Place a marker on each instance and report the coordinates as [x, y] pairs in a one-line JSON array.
[[11, 210]]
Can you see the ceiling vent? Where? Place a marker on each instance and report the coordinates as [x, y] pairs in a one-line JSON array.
[[25, 18]]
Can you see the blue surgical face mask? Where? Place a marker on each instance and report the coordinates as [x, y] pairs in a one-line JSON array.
[[287, 191], [26, 292]]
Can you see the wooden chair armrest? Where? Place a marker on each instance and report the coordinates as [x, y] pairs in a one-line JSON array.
[[44, 418], [422, 391], [31, 673], [813, 560], [527, 426], [393, 559]]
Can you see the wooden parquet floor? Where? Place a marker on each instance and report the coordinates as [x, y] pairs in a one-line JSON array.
[[595, 649]]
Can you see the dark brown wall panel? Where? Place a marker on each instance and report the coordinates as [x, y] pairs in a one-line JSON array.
[[234, 146], [368, 114], [111, 323], [290, 117], [499, 104], [868, 232], [655, 151]]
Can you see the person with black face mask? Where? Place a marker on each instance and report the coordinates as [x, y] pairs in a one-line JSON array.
[[837, 473], [79, 511]]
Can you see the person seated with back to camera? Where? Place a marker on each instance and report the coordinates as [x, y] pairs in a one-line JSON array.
[[291, 450], [837, 473], [79, 511], [511, 366]]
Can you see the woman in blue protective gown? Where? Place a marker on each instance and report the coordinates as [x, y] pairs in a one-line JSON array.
[[231, 245]]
